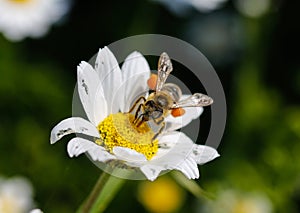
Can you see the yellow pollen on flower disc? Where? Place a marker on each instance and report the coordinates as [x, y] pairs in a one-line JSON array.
[[118, 130]]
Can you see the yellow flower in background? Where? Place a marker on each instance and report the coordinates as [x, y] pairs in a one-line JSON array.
[[161, 196], [29, 18]]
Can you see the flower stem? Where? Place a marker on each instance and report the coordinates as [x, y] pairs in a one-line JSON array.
[[103, 192], [96, 190], [192, 186]]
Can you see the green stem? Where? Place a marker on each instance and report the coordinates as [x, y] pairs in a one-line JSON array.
[[111, 188], [191, 186], [86, 207], [102, 194]]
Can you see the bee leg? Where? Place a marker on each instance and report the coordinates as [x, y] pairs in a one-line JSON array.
[[137, 116], [142, 121], [136, 102], [137, 111], [160, 130], [158, 122]]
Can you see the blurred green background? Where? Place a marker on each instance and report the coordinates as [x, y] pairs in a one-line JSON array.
[[256, 56]]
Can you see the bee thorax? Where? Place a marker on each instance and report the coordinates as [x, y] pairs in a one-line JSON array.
[[163, 100], [173, 91]]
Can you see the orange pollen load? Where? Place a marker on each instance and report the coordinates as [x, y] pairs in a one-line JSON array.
[[177, 112], [152, 81]]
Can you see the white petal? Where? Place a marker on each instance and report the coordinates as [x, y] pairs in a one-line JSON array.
[[179, 147], [110, 76], [177, 151], [193, 165], [135, 73], [91, 93], [100, 106], [189, 168], [167, 141], [203, 154], [185, 170], [151, 171], [191, 113], [73, 125], [129, 155], [77, 146]]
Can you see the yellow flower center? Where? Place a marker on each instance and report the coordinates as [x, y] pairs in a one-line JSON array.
[[119, 130], [20, 1]]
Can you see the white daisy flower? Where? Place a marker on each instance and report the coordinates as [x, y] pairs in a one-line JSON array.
[[29, 18], [229, 201], [106, 92], [15, 195]]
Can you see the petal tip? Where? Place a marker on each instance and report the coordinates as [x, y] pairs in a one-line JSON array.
[[136, 53], [54, 137], [52, 141], [217, 154], [200, 109], [82, 64], [203, 154], [151, 172]]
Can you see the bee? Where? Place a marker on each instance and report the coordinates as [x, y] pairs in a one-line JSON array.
[[165, 99]]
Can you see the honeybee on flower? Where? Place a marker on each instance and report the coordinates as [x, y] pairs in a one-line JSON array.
[[121, 136], [165, 98]]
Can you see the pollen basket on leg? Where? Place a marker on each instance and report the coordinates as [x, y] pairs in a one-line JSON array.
[[118, 130]]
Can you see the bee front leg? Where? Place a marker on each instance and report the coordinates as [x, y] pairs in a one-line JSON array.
[[136, 102], [138, 116], [158, 122], [160, 130], [138, 110]]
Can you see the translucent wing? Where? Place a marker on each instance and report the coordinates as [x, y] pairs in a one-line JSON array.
[[164, 69], [196, 100], [173, 90]]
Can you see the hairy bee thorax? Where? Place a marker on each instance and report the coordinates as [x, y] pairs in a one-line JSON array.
[[167, 96], [163, 100]]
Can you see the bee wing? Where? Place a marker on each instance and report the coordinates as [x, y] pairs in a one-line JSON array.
[[196, 100], [164, 69]]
